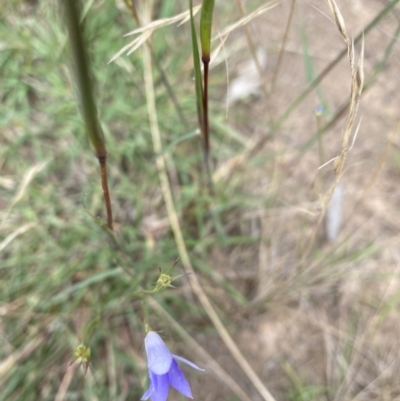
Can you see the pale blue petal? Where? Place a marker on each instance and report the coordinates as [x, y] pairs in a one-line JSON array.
[[191, 364], [161, 387], [147, 394], [159, 358], [178, 380]]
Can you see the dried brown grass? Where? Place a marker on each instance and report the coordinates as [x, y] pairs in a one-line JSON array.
[[319, 306]]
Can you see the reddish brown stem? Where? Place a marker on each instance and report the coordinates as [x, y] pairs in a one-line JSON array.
[[206, 125], [206, 62], [106, 192]]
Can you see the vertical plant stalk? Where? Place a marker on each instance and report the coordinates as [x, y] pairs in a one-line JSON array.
[[201, 99], [86, 96], [206, 63], [206, 17], [176, 229], [65, 382], [106, 192], [283, 45], [130, 4], [197, 72]]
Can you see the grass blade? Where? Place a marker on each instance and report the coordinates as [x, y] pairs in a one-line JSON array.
[[86, 96], [83, 78]]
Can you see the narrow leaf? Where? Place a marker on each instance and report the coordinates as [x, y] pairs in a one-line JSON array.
[[83, 77], [205, 28]]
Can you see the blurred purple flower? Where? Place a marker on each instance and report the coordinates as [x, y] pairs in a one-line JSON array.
[[164, 370]]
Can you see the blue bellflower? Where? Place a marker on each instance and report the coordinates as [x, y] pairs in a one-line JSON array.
[[164, 370]]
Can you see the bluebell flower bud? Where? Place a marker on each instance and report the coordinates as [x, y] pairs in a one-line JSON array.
[[319, 110]]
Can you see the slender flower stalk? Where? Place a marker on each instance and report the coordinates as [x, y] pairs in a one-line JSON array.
[[164, 370]]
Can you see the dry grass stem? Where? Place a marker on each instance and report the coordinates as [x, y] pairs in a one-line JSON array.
[[66, 381], [19, 355], [112, 371], [175, 225], [355, 94], [19, 231], [26, 180]]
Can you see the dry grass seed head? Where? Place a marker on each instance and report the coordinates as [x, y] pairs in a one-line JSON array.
[[339, 162], [147, 30], [357, 79], [360, 69], [338, 19]]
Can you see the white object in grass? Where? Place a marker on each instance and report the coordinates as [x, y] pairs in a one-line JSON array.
[[334, 214], [248, 81]]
